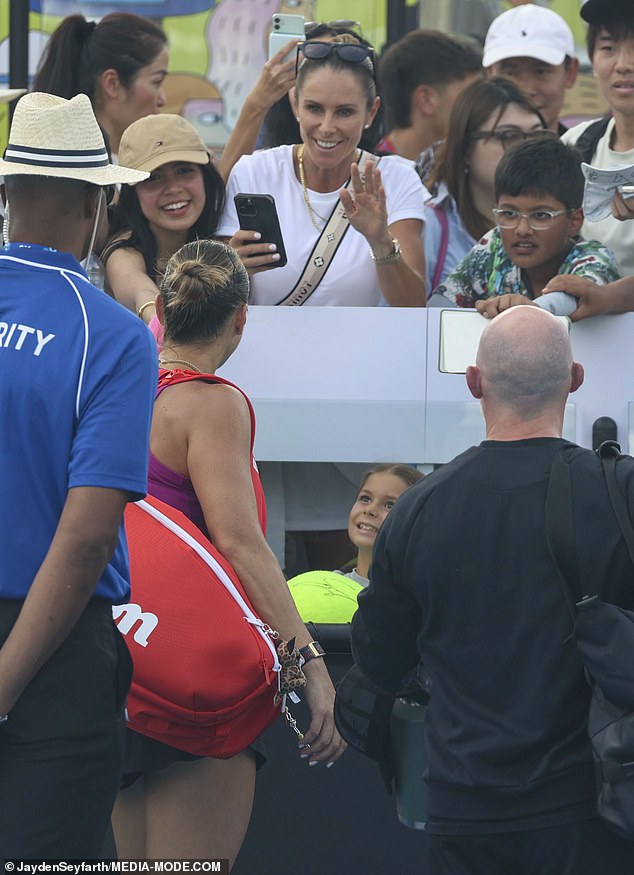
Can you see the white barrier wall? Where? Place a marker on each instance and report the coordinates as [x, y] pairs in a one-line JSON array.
[[353, 384]]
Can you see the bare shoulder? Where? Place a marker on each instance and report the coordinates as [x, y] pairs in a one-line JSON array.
[[125, 258], [221, 399], [215, 406], [114, 242]]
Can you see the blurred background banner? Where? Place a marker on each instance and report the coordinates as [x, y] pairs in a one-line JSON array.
[[217, 47]]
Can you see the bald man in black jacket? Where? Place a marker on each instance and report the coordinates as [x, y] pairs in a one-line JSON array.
[[463, 586]]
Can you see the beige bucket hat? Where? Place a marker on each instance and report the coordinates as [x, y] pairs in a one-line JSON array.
[[51, 136]]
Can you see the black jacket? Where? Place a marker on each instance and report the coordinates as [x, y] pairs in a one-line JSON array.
[[462, 584]]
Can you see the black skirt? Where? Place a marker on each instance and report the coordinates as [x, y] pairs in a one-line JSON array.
[[144, 755]]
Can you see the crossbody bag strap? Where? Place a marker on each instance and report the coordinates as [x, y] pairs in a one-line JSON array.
[[325, 248], [560, 533], [609, 453]]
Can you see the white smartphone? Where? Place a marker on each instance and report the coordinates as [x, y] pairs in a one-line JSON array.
[[285, 27]]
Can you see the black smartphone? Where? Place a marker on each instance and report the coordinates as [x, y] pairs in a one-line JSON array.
[[257, 212]]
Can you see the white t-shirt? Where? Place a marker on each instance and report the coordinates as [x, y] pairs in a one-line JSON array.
[[617, 236], [351, 279]]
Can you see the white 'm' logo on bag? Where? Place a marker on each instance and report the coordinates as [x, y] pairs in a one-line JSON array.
[[129, 615]]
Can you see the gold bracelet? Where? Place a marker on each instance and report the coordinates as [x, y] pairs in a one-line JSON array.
[[143, 307]]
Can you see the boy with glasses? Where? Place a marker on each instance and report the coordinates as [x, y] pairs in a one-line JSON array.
[[539, 191]]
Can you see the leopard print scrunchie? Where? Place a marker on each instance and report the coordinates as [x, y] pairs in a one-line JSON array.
[[291, 676]]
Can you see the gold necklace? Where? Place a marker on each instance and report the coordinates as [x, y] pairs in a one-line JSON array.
[[180, 362], [302, 179]]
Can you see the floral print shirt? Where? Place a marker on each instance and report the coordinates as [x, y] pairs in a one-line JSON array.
[[487, 270]]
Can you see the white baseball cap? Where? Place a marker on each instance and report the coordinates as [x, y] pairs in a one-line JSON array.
[[528, 31]]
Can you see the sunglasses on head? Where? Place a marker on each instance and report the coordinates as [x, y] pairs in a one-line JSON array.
[[350, 53]]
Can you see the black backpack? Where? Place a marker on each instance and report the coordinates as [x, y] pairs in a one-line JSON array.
[[587, 142], [604, 636]]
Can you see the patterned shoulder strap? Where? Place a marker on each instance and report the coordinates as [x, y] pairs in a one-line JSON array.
[[324, 249]]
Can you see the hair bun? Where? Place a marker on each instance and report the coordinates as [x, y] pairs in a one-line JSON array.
[[192, 268]]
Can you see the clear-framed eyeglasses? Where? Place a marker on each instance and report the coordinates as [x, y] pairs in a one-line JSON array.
[[538, 220]]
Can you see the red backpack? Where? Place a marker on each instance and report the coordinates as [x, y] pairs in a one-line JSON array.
[[205, 666]]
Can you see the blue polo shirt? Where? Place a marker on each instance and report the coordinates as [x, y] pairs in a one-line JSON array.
[[77, 380]]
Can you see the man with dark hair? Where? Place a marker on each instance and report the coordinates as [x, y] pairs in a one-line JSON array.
[[609, 143], [464, 593], [77, 381], [420, 77], [534, 47]]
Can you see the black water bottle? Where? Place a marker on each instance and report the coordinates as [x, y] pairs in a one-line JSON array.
[[409, 751]]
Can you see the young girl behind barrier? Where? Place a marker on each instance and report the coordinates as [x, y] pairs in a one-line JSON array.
[[380, 486]]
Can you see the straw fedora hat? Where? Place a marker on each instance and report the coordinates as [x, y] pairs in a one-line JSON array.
[[9, 94], [51, 136]]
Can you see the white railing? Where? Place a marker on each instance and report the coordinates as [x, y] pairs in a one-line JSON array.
[[364, 384]]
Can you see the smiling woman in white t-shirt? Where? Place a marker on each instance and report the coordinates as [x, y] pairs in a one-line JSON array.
[[381, 253], [379, 260]]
